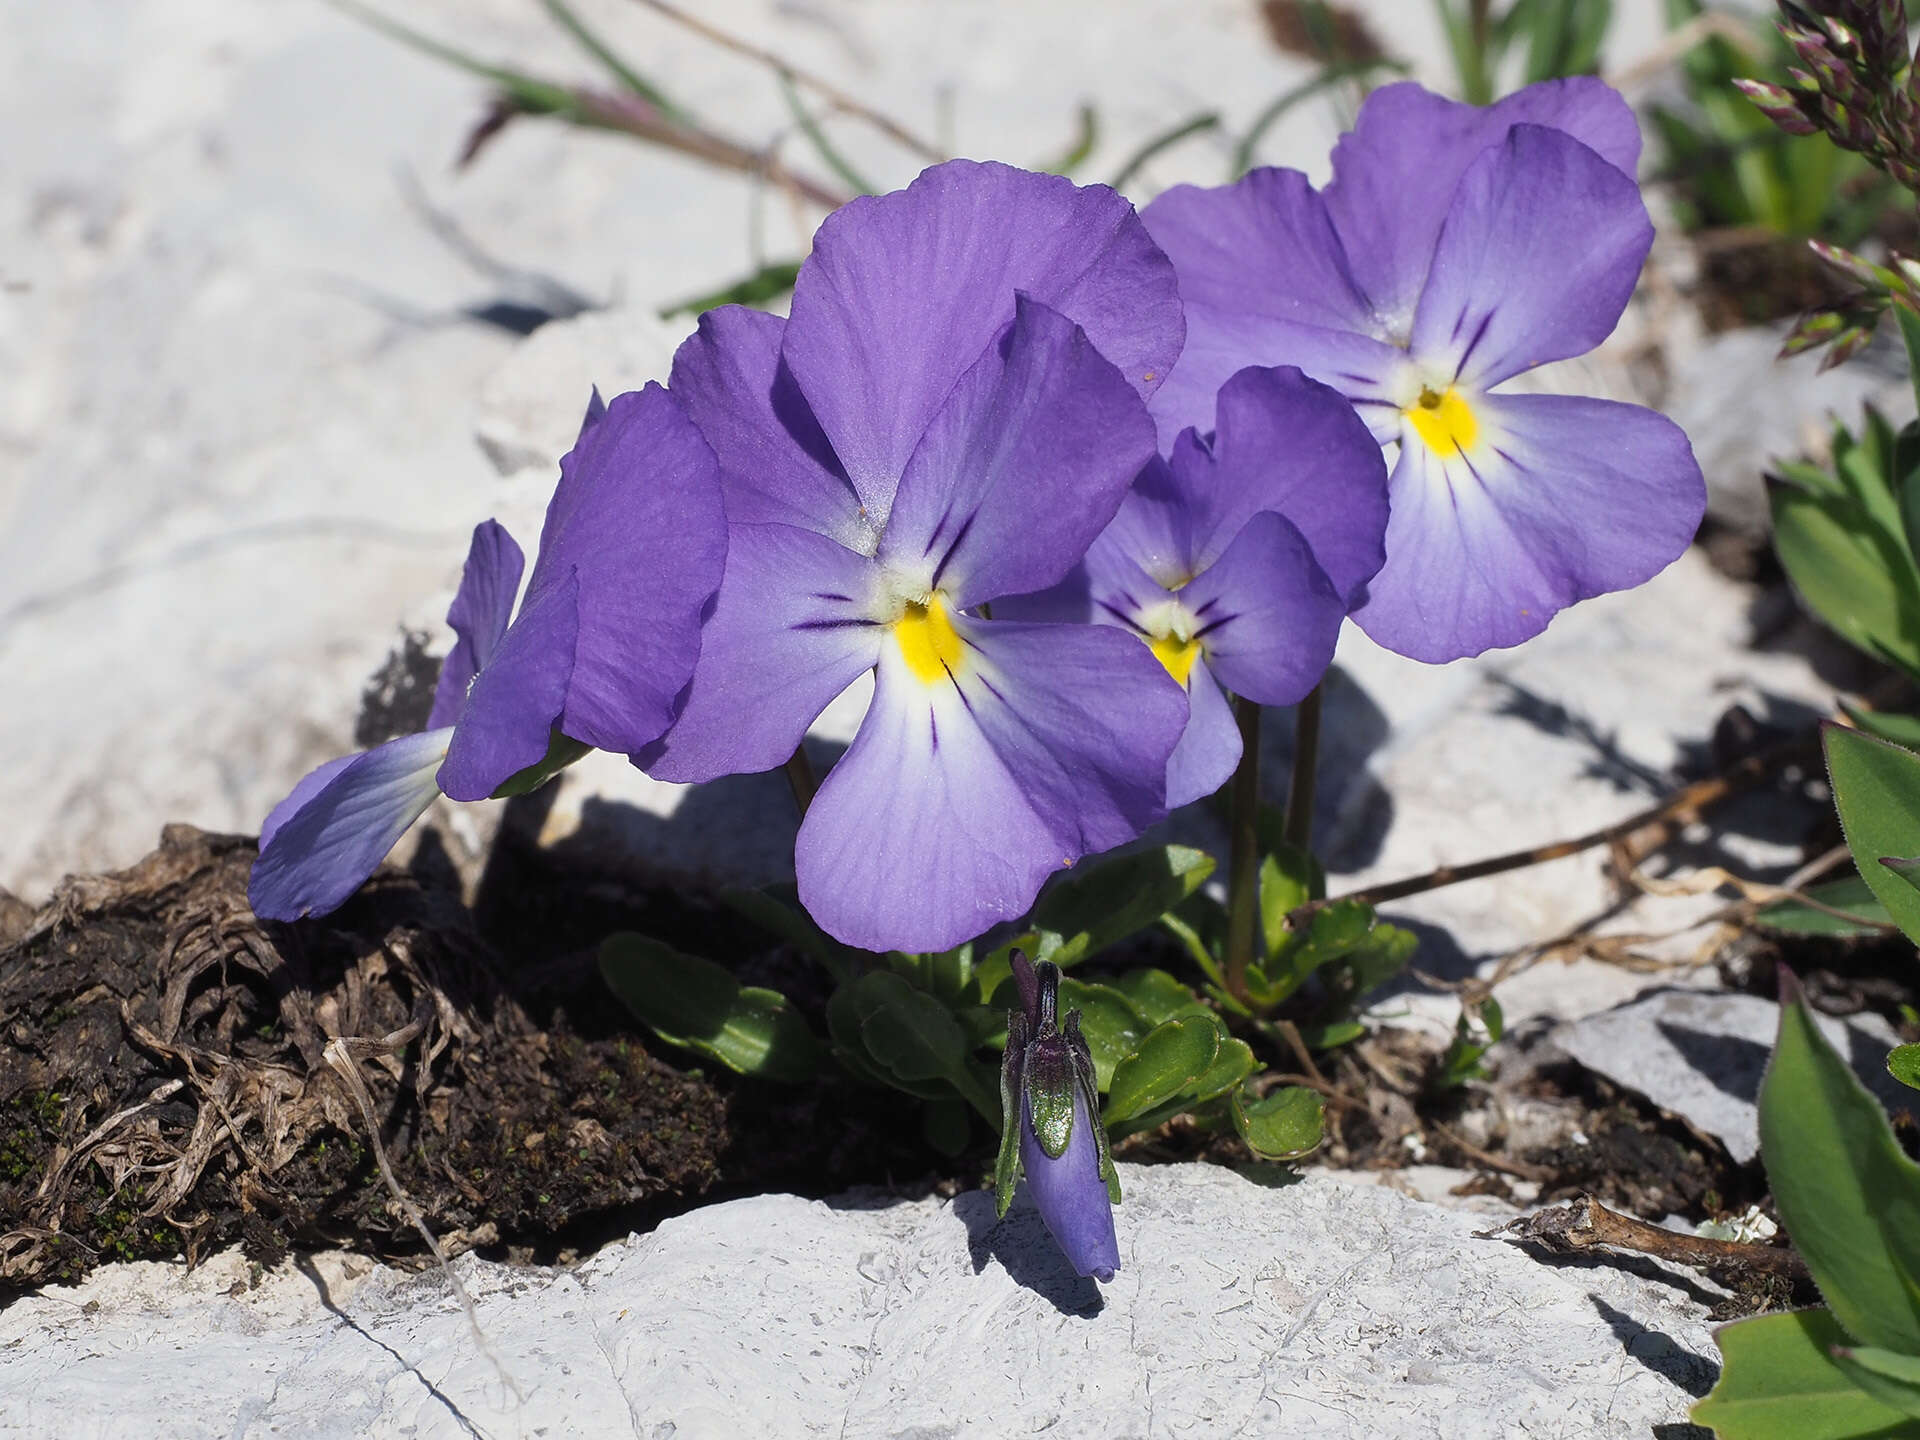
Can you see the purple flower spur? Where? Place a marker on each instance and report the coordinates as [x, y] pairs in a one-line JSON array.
[[952, 414], [1236, 559], [606, 637], [1454, 249], [1050, 1125]]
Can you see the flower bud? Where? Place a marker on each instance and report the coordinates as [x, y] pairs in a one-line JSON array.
[[1050, 1125]]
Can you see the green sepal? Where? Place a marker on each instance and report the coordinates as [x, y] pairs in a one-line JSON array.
[[1050, 1078], [1090, 1097], [562, 751], [1006, 1167], [1888, 1376], [1781, 1382]]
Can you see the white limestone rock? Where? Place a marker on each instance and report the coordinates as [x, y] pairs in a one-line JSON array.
[[1701, 1055], [1289, 1308]]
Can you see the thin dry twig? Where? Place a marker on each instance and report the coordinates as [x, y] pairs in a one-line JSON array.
[[1586, 1224], [1680, 808], [1519, 1169], [836, 97]]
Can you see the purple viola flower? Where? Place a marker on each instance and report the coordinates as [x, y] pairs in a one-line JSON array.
[[1236, 559], [952, 414], [630, 556], [1050, 1125], [1455, 249]]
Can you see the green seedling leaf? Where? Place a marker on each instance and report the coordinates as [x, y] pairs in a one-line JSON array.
[[1158, 996], [1848, 1194], [1781, 1382], [1903, 1063], [1169, 1061], [1890, 1378], [1473, 1035], [1282, 1125], [697, 1005], [1853, 574], [1876, 787], [1850, 896]]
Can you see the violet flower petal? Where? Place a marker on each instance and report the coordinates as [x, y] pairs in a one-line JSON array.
[[904, 291], [1395, 172], [638, 515], [1021, 467], [480, 613], [1071, 1197], [1492, 308], [1209, 748], [1268, 615], [958, 798], [1266, 281], [792, 627], [313, 859], [507, 722], [1564, 498], [310, 785], [776, 466], [1288, 444]]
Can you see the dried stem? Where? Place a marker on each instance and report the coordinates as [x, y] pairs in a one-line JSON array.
[[1679, 808], [1585, 1223], [832, 94]]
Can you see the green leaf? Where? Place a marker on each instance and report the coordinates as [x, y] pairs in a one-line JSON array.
[[1230, 1067], [1851, 574], [1108, 1020], [1910, 334], [1876, 787], [1903, 1063], [1851, 895], [1158, 996], [1848, 1195], [1892, 1379], [907, 1032], [1088, 908], [1781, 1382], [1331, 1037], [562, 751], [777, 910], [946, 1125], [1283, 1124], [1334, 932], [697, 1005], [1287, 880], [1887, 724], [1168, 1062]]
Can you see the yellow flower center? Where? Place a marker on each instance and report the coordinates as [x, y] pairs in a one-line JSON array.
[[1176, 653], [1444, 420], [929, 644]]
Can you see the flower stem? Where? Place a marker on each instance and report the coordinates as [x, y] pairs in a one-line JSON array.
[[800, 777], [1298, 830], [1243, 863]]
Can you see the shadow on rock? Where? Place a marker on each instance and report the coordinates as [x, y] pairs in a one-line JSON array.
[[1659, 1352], [1026, 1252]]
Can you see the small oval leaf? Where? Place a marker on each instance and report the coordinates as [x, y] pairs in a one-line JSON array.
[[694, 1003], [1169, 1060]]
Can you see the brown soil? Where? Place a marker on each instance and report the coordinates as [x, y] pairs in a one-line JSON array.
[[165, 1086]]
